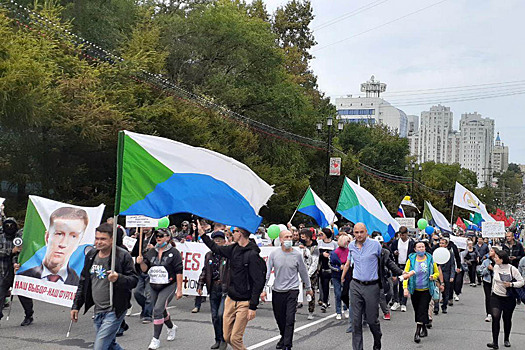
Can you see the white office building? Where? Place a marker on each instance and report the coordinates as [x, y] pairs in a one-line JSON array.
[[477, 145], [372, 109]]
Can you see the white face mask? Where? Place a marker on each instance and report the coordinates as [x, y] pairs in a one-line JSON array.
[[287, 244]]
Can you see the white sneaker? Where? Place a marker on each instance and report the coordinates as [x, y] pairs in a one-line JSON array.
[[154, 345], [128, 313], [395, 307], [338, 317], [347, 314], [456, 298], [311, 316], [488, 318], [172, 332], [403, 308]]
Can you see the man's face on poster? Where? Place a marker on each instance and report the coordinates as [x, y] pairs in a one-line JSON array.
[[62, 240]]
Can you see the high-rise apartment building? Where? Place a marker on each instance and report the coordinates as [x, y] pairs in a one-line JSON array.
[[477, 135], [436, 140]]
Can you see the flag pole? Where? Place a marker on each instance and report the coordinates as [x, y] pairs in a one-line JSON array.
[[118, 188], [113, 257], [295, 212], [140, 241]]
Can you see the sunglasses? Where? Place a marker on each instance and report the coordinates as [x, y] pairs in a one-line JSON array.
[[162, 236], [236, 231]]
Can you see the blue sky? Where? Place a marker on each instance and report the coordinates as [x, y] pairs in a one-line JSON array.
[[454, 43]]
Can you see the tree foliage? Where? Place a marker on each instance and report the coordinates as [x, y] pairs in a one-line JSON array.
[[60, 112]]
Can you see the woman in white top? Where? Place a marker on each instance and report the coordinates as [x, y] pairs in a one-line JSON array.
[[501, 304]]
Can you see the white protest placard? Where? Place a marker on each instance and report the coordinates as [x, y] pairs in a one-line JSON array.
[[141, 221], [335, 166], [461, 242], [495, 229], [129, 242], [193, 260], [407, 222]]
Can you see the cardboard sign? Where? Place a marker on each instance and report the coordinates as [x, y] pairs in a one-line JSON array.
[[129, 242], [141, 221], [407, 222], [495, 229]]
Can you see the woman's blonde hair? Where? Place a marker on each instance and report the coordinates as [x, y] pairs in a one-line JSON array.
[[343, 240]]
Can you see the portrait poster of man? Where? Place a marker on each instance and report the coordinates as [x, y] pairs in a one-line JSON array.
[[55, 240]]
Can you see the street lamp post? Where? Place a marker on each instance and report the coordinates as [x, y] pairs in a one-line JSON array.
[[413, 165], [329, 124]]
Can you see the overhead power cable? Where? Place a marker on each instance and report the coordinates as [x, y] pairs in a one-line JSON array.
[[349, 14], [379, 26]]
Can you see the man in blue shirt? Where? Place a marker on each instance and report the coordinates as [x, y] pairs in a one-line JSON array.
[[364, 254]]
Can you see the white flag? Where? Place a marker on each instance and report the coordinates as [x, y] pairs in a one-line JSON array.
[[465, 199], [440, 219]]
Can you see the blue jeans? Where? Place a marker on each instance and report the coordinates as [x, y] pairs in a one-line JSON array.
[[142, 294], [337, 292], [217, 311], [106, 326]]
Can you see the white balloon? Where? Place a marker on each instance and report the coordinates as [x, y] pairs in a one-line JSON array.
[[441, 255], [283, 227]]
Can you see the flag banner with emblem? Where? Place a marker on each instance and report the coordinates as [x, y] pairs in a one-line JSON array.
[[158, 177], [55, 240], [465, 199]]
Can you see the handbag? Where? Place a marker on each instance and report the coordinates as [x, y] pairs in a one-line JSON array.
[[434, 290], [517, 293]]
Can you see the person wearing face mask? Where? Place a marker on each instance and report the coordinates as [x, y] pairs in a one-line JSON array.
[[164, 267], [422, 271], [287, 264]]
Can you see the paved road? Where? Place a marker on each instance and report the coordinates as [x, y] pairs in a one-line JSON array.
[[463, 327]]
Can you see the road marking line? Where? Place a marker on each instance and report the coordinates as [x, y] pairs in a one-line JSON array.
[[271, 340]]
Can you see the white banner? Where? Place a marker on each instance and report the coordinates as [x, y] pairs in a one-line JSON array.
[[141, 221], [407, 222], [50, 292], [460, 242], [494, 229], [193, 255]]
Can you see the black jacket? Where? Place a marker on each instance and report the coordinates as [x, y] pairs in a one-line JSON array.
[[171, 260], [455, 250], [127, 280], [516, 250], [394, 247], [247, 275], [387, 264], [207, 273]]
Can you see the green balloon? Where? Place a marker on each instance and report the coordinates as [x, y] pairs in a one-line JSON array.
[[422, 224], [163, 223], [273, 231]]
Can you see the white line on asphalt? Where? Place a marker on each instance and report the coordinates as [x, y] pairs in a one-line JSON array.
[[271, 340]]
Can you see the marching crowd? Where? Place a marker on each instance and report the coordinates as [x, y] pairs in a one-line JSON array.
[[366, 274]]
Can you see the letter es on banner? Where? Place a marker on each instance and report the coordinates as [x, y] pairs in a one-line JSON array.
[[335, 166]]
